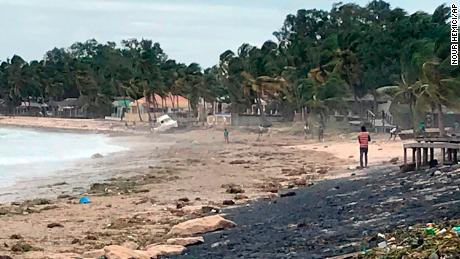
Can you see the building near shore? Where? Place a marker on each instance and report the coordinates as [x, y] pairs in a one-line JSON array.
[[67, 108], [156, 105]]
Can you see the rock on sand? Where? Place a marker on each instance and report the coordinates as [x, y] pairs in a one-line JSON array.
[[161, 250], [119, 252], [200, 226], [94, 253], [185, 241]]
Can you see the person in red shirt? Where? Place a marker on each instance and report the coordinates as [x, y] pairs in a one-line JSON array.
[[363, 139]]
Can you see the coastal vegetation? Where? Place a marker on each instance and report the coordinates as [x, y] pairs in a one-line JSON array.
[[318, 58]]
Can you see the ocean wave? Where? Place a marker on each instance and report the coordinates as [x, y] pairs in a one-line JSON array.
[[19, 147]]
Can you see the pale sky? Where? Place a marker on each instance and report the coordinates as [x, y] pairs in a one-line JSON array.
[[188, 30]]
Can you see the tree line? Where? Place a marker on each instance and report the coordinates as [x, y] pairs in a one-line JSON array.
[[318, 58], [96, 73]]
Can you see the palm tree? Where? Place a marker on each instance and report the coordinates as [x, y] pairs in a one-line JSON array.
[[262, 85], [405, 92], [438, 91]]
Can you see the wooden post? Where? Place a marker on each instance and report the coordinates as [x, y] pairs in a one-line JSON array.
[[418, 163], [449, 155], [455, 160], [405, 156], [431, 154], [443, 154], [425, 156], [413, 155]]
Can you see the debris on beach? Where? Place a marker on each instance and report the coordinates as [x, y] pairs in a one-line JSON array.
[[55, 225], [394, 160], [84, 200], [300, 182], [287, 194], [241, 197], [23, 247], [142, 200], [233, 188], [270, 187], [15, 236], [228, 202], [429, 241], [239, 162], [36, 202], [209, 209]]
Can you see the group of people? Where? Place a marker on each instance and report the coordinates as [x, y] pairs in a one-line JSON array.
[[363, 139], [306, 130], [261, 132]]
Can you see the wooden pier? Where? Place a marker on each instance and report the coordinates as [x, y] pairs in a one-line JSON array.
[[424, 151]]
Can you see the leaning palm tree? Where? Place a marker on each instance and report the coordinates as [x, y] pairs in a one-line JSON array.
[[433, 90], [261, 85], [405, 92], [438, 91]]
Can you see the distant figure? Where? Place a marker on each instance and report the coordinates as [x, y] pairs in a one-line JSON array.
[[422, 128], [226, 135], [126, 125], [363, 139], [306, 130], [261, 131], [321, 133], [456, 127], [394, 133]]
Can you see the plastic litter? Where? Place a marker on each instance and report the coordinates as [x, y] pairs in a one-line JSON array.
[[382, 245], [442, 231], [431, 231], [456, 230], [364, 245], [85, 200]]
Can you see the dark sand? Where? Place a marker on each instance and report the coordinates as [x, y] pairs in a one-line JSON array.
[[331, 217]]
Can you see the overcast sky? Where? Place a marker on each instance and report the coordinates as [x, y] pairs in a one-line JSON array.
[[188, 30]]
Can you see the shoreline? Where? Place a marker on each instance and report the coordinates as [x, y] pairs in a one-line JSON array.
[[96, 126], [75, 173]]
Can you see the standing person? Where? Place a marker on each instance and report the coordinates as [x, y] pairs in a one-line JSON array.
[[321, 133], [456, 127], [261, 131], [226, 135], [306, 129], [421, 128], [363, 139], [394, 133]]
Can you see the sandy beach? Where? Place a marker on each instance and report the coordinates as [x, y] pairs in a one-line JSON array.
[[138, 195]]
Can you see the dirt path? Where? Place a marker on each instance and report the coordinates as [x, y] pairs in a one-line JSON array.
[[331, 217]]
